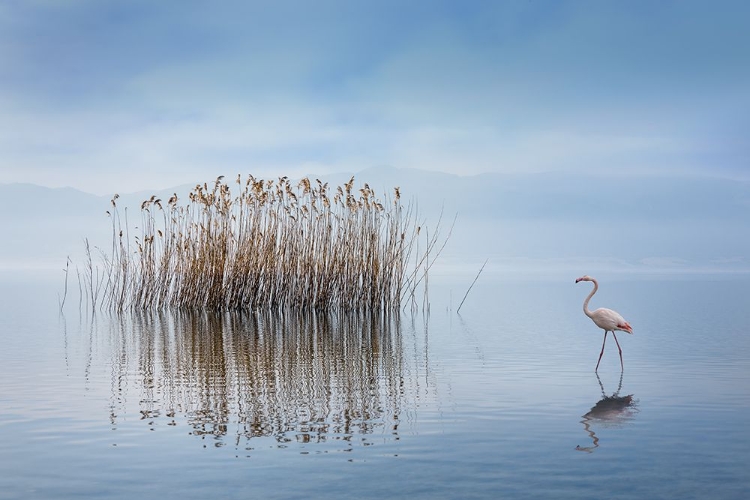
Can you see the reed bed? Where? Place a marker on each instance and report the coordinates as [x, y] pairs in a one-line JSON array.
[[274, 245]]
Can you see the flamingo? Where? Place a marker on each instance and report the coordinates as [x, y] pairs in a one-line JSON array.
[[606, 319]]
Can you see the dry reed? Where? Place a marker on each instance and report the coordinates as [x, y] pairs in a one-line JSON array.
[[273, 246]]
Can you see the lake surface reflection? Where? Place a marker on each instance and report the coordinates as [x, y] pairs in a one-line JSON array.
[[236, 377], [495, 402]]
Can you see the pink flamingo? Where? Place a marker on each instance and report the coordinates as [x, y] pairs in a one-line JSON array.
[[606, 319]]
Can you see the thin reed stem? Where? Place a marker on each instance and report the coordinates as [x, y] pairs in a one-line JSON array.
[[274, 245]]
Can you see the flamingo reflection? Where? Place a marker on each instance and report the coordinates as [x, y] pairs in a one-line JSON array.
[[610, 411]]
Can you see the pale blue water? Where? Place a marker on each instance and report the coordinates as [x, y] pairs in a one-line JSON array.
[[490, 403]]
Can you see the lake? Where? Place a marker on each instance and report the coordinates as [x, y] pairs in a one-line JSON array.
[[498, 401]]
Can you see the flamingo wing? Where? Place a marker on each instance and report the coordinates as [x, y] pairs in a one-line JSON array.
[[610, 320]]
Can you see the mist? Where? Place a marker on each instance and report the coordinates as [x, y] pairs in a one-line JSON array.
[[530, 223]]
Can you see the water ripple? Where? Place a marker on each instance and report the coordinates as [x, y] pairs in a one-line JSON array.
[[296, 378]]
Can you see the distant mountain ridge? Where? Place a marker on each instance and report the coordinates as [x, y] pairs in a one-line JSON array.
[[682, 221], [538, 195]]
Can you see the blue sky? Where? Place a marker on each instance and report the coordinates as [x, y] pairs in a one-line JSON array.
[[123, 96]]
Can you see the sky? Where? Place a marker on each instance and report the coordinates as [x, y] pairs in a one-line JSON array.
[[110, 96]]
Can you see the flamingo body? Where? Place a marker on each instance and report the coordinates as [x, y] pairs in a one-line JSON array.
[[609, 320], [606, 319]]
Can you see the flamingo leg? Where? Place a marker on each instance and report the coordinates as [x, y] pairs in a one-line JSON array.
[[622, 367], [601, 353]]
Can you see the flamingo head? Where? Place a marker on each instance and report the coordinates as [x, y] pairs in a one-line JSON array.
[[585, 277]]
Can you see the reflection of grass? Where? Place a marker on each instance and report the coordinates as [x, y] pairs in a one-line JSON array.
[[307, 377], [274, 245]]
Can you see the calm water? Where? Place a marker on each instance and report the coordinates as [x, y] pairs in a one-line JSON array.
[[499, 401]]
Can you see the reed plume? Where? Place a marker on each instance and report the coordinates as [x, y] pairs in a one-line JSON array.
[[272, 245]]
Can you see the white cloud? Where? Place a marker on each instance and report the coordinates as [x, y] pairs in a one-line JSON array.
[[435, 95]]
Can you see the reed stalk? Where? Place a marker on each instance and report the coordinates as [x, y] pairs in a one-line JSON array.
[[270, 245]]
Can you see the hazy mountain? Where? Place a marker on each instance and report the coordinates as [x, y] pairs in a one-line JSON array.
[[529, 221], [583, 221]]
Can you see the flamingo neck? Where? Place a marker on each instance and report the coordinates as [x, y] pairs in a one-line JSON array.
[[586, 302]]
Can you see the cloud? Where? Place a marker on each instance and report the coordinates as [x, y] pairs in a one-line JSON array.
[[147, 95]]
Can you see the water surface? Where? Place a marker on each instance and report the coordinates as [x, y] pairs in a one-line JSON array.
[[499, 400]]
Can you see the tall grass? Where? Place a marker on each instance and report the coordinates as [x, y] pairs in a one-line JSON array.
[[272, 245]]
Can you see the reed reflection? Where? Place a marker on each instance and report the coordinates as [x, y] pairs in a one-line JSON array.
[[302, 377], [610, 411]]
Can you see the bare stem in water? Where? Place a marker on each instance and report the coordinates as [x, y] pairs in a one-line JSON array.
[[472, 285]]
